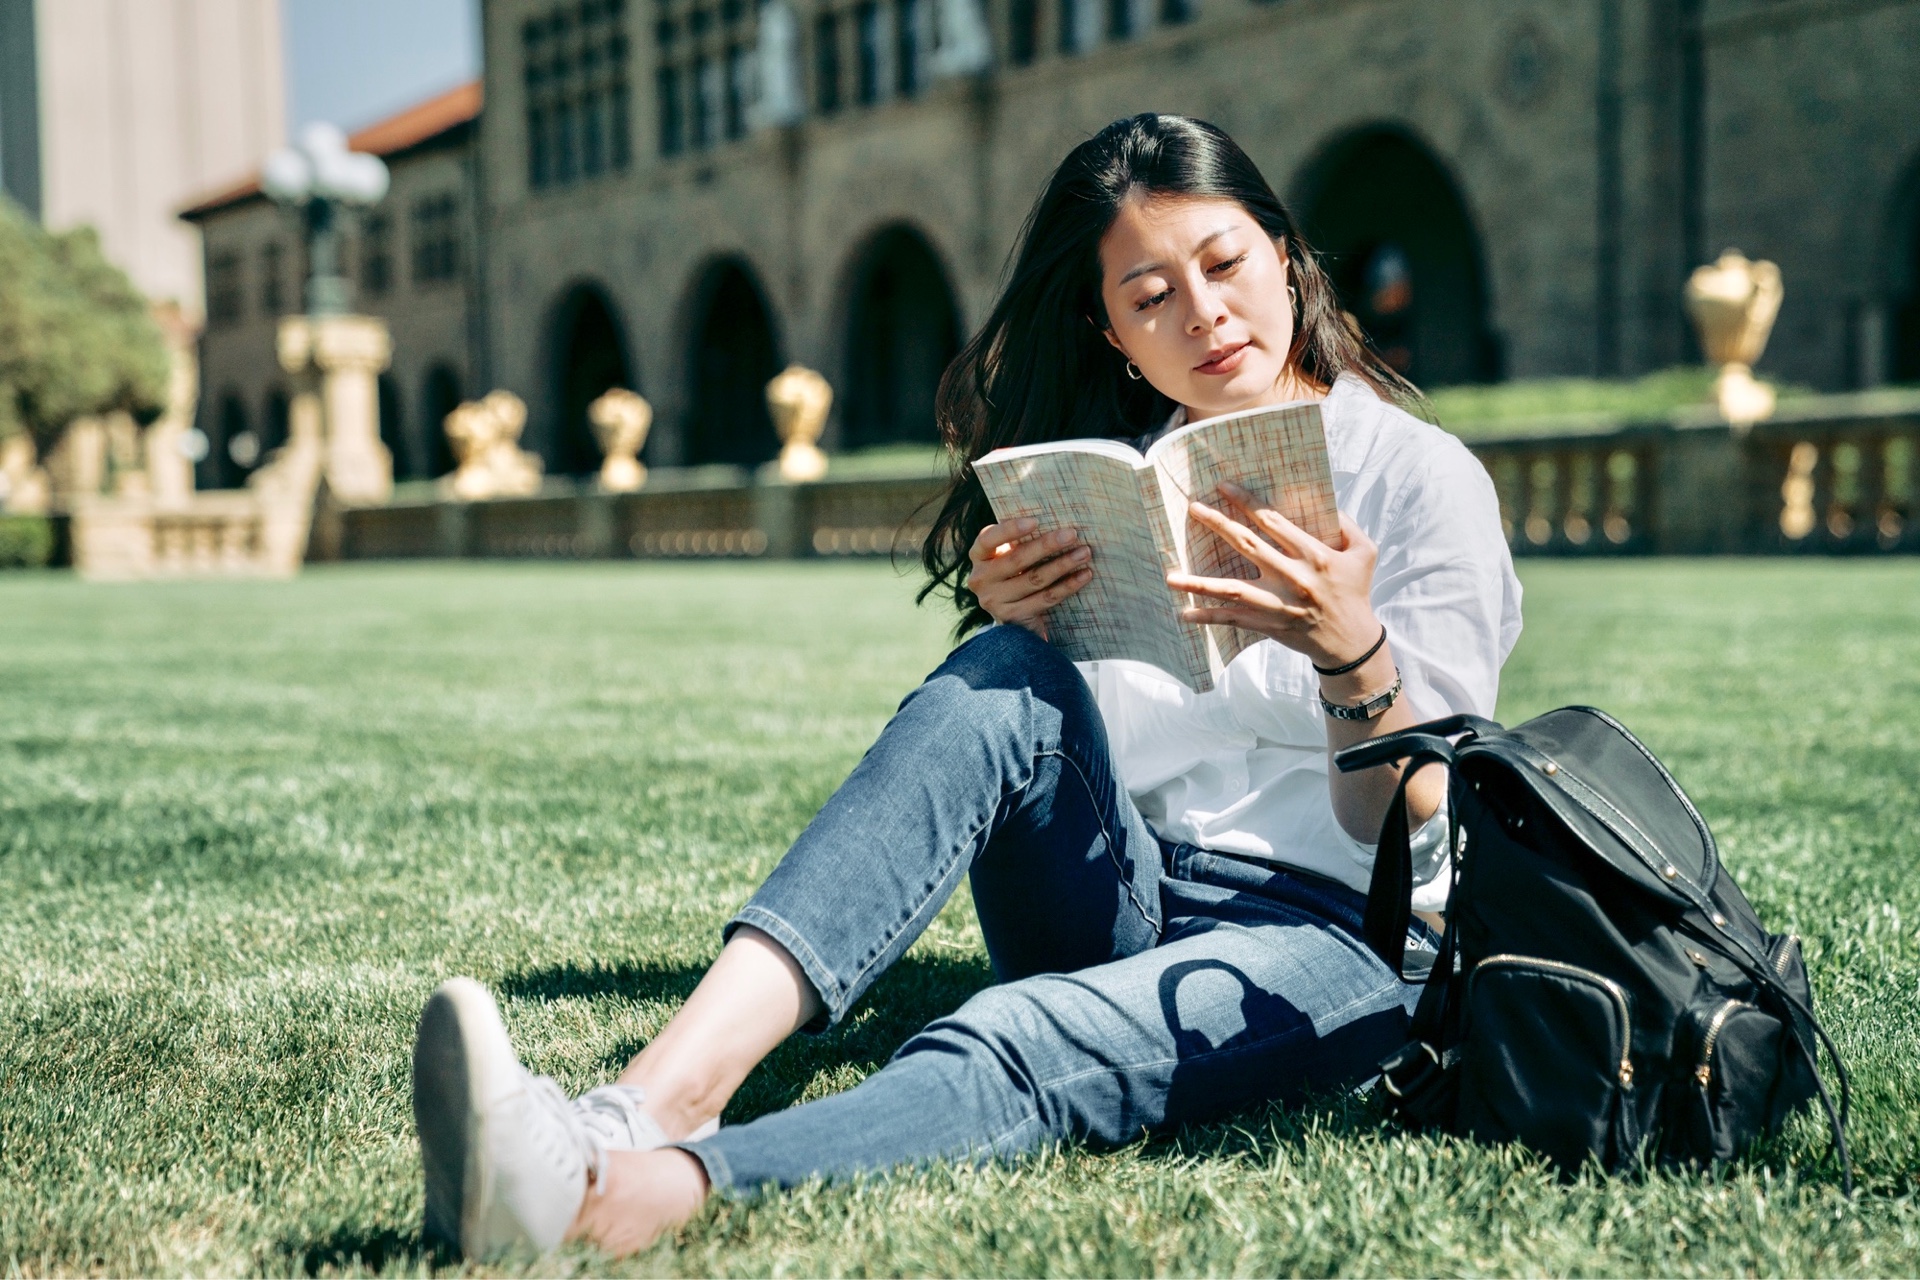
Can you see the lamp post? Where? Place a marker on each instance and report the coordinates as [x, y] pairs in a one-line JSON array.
[[335, 358], [318, 177]]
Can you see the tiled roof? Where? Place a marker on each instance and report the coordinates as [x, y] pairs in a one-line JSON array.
[[419, 123]]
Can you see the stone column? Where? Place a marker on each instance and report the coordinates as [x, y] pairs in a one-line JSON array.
[[169, 470], [337, 361]]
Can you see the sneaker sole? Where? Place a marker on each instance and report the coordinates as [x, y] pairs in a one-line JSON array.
[[457, 1052]]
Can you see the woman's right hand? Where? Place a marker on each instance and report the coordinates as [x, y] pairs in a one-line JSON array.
[[1020, 573]]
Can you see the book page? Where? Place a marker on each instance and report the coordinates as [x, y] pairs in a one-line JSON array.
[[1126, 610], [1280, 454]]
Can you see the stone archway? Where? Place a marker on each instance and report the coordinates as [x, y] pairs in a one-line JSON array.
[[276, 426], [439, 396], [1400, 245], [903, 327], [1902, 363], [393, 432], [589, 357], [234, 443], [733, 355]]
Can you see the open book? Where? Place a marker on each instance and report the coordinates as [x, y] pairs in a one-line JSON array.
[[1132, 511]]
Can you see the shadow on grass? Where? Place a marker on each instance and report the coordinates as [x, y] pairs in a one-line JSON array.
[[632, 980], [374, 1251], [918, 989]]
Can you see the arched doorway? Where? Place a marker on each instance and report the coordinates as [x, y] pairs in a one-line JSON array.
[[902, 330], [1400, 245], [590, 356], [277, 426], [236, 450], [439, 397], [392, 428], [1903, 362], [733, 356]]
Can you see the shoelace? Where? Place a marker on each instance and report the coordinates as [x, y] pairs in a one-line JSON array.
[[591, 1139], [618, 1112]]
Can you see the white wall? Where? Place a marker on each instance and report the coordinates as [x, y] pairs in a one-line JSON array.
[[145, 105]]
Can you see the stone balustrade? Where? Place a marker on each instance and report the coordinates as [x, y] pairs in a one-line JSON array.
[[1837, 475], [718, 519], [1829, 475]]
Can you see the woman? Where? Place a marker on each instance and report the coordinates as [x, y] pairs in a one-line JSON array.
[[1170, 884]]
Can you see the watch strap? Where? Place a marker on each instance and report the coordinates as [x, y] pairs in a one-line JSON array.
[[1372, 708]]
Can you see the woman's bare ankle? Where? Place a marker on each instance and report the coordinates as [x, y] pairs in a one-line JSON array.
[[678, 1104], [754, 996], [639, 1196]]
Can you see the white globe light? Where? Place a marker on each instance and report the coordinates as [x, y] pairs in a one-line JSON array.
[[321, 138], [364, 178], [192, 444], [287, 175], [331, 173]]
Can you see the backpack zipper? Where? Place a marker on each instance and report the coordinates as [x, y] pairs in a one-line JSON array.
[[1704, 1072], [1787, 944], [1612, 988]]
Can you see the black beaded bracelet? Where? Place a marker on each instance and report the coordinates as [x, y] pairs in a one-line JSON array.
[[1358, 662]]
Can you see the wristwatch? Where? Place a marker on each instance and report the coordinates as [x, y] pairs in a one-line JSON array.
[[1372, 708]]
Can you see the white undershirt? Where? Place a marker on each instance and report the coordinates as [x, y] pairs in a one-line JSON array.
[[1243, 769]]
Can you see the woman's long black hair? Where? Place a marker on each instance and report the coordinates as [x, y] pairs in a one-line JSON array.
[[1041, 369]]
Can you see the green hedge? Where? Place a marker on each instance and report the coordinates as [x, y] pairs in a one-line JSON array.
[[26, 542]]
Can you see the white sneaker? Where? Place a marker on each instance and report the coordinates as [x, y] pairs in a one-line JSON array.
[[507, 1157]]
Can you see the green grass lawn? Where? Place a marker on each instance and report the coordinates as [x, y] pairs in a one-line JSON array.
[[245, 828]]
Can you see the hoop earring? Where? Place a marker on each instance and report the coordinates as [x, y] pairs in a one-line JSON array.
[[1133, 371]]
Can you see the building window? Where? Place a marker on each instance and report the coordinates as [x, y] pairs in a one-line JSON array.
[[673, 123], [739, 89], [704, 71], [272, 299], [574, 60], [435, 234], [907, 62], [706, 101], [869, 25], [1120, 23], [826, 63], [224, 290], [1072, 25], [1175, 12], [376, 255], [1023, 32]]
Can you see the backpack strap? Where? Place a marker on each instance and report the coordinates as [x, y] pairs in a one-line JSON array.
[[1390, 892]]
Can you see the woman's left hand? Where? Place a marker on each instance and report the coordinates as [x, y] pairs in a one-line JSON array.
[[1308, 595]]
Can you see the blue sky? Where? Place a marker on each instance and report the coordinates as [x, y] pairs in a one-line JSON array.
[[352, 62]]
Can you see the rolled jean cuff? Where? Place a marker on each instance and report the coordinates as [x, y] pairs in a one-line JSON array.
[[719, 1173], [832, 991]]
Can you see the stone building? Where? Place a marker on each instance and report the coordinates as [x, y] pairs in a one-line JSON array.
[[412, 261], [1505, 188], [683, 195]]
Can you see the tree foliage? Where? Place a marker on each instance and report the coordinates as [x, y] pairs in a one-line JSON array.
[[76, 337]]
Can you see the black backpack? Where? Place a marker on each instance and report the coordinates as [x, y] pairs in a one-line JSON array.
[[1604, 992]]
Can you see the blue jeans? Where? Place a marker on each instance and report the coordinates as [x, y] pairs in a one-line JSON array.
[[1140, 986]]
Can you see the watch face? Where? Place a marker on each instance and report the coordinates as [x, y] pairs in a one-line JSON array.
[[1371, 709]]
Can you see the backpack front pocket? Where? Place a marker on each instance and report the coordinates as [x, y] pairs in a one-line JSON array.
[[1738, 1055], [1546, 1060]]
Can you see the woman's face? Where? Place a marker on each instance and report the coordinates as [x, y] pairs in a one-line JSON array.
[[1196, 296]]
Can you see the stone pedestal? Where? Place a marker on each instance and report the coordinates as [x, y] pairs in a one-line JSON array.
[[169, 469], [336, 362], [24, 487]]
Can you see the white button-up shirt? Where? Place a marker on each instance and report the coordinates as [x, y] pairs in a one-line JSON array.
[[1243, 769]]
